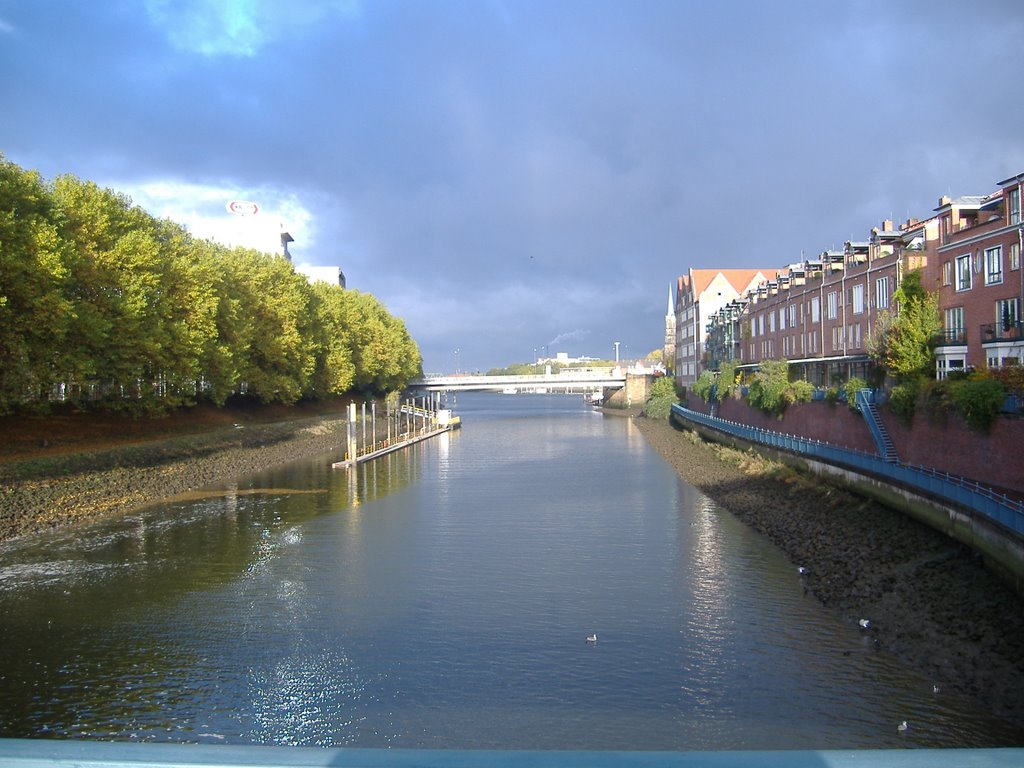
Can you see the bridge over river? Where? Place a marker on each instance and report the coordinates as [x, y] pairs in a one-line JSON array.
[[563, 381]]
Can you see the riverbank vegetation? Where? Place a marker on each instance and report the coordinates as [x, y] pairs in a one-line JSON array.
[[108, 308]]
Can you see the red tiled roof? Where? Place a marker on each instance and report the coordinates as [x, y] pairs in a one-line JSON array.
[[740, 279]]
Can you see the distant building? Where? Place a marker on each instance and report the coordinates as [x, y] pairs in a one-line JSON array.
[[332, 275], [700, 294], [668, 352]]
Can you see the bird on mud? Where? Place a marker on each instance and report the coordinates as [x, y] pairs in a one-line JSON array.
[[864, 624], [803, 571]]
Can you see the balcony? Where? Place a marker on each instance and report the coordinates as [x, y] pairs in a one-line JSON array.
[[996, 332], [951, 337]]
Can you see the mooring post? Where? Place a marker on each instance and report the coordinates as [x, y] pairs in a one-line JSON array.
[[351, 455]]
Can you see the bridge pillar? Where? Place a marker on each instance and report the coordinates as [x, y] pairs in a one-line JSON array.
[[633, 394]]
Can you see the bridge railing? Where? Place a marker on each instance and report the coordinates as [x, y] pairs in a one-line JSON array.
[[964, 492], [56, 753]]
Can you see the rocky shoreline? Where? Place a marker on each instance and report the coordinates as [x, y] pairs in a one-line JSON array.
[[930, 601], [44, 493]]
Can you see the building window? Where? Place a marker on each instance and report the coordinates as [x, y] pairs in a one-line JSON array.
[[792, 315], [947, 273], [1014, 256], [815, 309], [1006, 314], [993, 265], [954, 330], [882, 293], [760, 324], [771, 322], [832, 310], [858, 299], [963, 272], [1014, 206]]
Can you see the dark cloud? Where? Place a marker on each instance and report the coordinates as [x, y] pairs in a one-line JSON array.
[[502, 174]]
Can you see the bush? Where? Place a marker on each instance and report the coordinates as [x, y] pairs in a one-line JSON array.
[[661, 399], [1011, 377], [979, 399], [853, 386], [705, 388], [728, 380], [771, 391], [903, 400], [832, 395]]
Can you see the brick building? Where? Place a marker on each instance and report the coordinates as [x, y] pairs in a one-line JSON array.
[[979, 280], [820, 315]]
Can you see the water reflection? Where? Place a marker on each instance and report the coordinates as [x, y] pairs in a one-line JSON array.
[[441, 597]]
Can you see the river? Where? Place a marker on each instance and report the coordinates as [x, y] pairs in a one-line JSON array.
[[442, 597]]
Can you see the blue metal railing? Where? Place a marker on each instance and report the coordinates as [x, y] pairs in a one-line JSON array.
[[964, 492]]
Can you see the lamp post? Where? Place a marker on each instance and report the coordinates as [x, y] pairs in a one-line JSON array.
[[456, 362], [616, 352]]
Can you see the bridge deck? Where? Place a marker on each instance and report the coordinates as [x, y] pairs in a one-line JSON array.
[[556, 381]]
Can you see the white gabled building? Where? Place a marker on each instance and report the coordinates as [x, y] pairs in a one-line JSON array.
[[699, 294]]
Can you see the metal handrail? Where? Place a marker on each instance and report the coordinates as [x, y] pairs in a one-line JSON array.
[[962, 491]]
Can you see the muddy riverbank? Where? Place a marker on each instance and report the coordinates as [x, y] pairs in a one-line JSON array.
[[44, 492], [930, 601]]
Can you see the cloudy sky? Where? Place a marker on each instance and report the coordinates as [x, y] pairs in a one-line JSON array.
[[514, 175]]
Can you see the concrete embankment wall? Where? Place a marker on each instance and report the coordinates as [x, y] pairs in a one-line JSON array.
[[1002, 550]]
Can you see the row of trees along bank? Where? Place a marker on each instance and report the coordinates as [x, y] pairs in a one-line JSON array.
[[104, 305]]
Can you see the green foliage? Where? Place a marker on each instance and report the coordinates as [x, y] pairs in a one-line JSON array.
[[853, 386], [978, 399], [903, 400], [128, 312], [904, 343], [1011, 377], [662, 397], [768, 389], [832, 395], [771, 390], [704, 387], [728, 380]]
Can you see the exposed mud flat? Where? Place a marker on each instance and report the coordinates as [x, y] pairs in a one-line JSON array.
[[64, 490], [929, 600]]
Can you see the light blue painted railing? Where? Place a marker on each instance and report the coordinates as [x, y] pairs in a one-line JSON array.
[[957, 490], [21, 753]]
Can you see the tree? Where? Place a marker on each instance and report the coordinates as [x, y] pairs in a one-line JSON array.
[[904, 343], [34, 310]]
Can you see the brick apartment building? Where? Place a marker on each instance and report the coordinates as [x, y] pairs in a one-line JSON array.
[[979, 280], [820, 314]]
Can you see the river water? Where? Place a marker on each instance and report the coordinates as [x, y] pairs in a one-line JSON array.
[[441, 598]]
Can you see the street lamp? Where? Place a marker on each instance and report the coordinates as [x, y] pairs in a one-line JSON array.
[[456, 362], [616, 352]]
